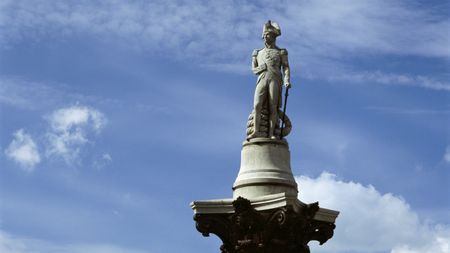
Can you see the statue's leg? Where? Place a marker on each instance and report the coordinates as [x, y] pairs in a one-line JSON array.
[[274, 97], [260, 94]]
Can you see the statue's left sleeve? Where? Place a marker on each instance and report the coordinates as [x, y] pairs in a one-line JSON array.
[[285, 66]]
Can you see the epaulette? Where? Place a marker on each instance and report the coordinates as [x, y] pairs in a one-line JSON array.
[[283, 51], [255, 52]]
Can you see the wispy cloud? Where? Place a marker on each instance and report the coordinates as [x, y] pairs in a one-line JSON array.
[[20, 93], [447, 155], [69, 130], [31, 95], [23, 150], [412, 111], [102, 161], [326, 25], [320, 35], [392, 79], [331, 140], [371, 221], [339, 146]]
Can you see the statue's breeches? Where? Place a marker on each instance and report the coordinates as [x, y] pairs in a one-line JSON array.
[[268, 90]]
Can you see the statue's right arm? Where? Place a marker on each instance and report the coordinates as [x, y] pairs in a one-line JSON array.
[[256, 67]]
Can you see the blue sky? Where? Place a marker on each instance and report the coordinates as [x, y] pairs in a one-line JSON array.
[[115, 115]]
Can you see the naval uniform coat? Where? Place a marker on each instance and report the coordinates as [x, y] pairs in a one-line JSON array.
[[267, 63]]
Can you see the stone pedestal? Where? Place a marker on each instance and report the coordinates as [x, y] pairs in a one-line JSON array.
[[265, 169], [264, 215]]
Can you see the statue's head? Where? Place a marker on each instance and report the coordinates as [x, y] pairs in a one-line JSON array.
[[271, 31]]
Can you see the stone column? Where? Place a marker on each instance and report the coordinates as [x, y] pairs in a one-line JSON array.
[[264, 214]]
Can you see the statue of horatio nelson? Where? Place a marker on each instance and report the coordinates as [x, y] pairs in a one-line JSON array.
[[272, 67]]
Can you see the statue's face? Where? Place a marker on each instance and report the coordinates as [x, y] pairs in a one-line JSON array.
[[269, 38]]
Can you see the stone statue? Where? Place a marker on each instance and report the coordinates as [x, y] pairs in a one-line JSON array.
[[272, 67]]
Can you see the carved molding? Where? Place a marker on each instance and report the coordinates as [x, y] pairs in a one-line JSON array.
[[280, 230]]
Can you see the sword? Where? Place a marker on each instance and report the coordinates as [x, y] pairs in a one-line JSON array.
[[286, 94]]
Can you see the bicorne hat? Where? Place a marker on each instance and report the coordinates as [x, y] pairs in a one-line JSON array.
[[271, 27]]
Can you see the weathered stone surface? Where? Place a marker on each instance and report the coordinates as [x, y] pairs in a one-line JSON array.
[[265, 169], [264, 125], [263, 203], [285, 229], [271, 65]]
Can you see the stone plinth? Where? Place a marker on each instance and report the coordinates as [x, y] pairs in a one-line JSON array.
[[264, 214], [265, 169]]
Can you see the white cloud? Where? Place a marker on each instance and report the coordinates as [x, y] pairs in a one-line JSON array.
[[14, 244], [69, 130], [440, 243], [320, 35], [370, 221], [23, 150], [65, 119], [447, 154]]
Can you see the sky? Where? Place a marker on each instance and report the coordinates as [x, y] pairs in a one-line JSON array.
[[115, 115]]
